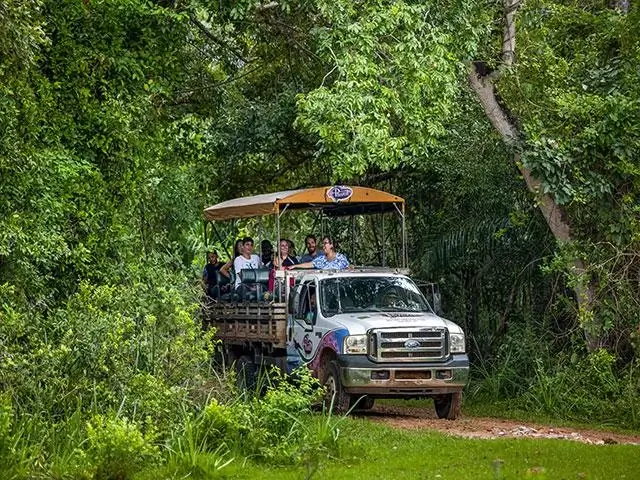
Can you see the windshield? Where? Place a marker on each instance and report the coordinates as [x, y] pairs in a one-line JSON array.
[[370, 294]]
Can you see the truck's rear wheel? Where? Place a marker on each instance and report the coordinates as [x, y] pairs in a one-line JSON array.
[[448, 405], [359, 402], [335, 396], [246, 373]]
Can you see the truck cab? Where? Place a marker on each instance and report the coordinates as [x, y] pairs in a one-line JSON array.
[[371, 333]]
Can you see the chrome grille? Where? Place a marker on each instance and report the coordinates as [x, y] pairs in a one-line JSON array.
[[408, 345]]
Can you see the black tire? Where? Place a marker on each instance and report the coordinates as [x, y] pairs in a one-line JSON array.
[[269, 377], [246, 373], [335, 397], [448, 405], [358, 402], [281, 363]]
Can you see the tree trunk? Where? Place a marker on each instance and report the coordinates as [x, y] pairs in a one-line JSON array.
[[553, 213]]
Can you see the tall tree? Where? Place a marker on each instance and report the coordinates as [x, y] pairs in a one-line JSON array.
[[482, 80], [565, 105]]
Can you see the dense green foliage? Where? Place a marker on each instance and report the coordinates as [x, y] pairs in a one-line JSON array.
[[120, 120], [89, 226], [575, 91], [278, 427]]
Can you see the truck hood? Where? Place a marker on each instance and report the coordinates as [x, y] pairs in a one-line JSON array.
[[360, 323]]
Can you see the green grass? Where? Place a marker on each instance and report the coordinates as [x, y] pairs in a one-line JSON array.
[[374, 451]]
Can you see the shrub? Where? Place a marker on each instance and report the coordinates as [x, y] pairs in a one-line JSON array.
[[276, 427], [231, 424], [14, 456], [288, 398], [117, 448], [284, 417], [584, 388], [192, 455], [133, 347], [531, 372], [505, 374]]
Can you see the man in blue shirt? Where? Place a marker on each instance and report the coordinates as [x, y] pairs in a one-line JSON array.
[[310, 242]]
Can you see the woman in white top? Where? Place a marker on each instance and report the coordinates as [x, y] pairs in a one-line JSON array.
[[246, 260]]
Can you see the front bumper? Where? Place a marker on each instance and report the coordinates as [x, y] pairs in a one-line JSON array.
[[361, 376]]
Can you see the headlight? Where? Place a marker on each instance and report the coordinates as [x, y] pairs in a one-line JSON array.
[[355, 344], [457, 342]]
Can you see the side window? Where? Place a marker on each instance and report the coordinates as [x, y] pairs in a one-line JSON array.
[[299, 309], [294, 298], [306, 307], [311, 305]]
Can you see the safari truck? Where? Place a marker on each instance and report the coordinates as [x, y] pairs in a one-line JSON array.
[[365, 332]]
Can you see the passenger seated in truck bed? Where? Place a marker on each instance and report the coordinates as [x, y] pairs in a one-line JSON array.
[[329, 259], [227, 269], [266, 253], [285, 255], [312, 252], [209, 272], [248, 260]]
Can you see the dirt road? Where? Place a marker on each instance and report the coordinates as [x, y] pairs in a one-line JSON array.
[[479, 427]]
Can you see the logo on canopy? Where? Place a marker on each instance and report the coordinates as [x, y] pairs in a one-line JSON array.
[[339, 193]]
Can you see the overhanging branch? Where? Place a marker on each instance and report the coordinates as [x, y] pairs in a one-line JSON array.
[[209, 34], [509, 33]]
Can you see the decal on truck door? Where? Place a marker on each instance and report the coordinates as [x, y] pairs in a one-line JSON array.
[[307, 345], [308, 349]]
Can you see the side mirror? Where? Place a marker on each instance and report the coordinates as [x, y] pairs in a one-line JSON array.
[[437, 302], [294, 296], [432, 294]]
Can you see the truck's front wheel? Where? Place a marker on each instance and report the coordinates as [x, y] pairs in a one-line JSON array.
[[246, 373], [335, 395], [448, 405]]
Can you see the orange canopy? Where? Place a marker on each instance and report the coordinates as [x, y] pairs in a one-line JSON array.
[[337, 200]]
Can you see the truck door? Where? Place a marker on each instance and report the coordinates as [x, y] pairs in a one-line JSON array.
[[306, 335]]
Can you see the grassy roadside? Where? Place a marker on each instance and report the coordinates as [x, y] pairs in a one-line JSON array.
[[369, 450]]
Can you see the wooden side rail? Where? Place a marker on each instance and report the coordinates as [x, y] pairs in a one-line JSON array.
[[249, 322]]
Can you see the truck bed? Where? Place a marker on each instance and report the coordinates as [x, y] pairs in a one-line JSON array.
[[240, 323]]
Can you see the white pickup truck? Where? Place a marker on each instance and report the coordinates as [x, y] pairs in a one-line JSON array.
[[365, 332]]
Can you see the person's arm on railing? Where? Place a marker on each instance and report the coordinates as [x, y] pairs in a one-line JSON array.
[[302, 265], [224, 270]]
